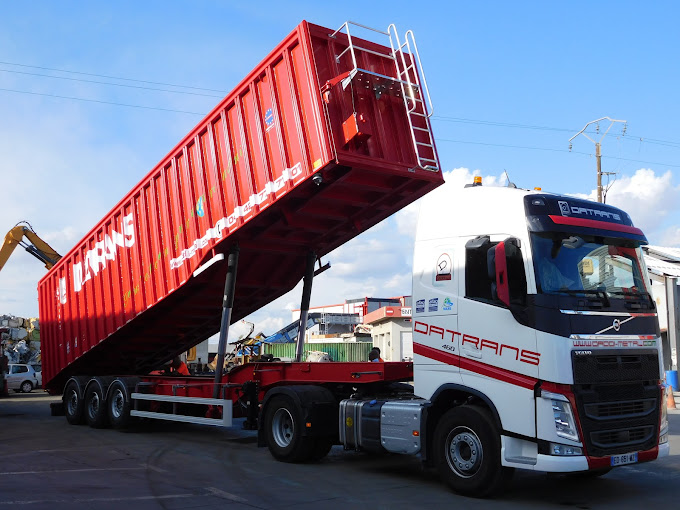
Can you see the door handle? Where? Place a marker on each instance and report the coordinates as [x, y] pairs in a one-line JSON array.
[[473, 353]]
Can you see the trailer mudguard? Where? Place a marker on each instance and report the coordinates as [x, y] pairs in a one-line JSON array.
[[319, 409]]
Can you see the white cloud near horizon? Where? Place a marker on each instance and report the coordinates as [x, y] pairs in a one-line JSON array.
[[649, 199]]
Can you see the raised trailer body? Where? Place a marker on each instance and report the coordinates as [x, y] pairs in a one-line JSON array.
[[321, 141]]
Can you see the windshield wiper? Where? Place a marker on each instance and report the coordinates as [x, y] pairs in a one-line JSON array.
[[601, 294], [635, 294]]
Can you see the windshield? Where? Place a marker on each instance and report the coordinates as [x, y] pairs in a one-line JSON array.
[[569, 264]]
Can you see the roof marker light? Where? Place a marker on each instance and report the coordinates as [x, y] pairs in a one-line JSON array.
[[538, 188], [477, 181]]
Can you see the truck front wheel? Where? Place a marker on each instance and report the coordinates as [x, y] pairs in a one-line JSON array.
[[283, 428], [467, 452]]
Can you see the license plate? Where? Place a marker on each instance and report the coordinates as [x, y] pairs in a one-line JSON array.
[[626, 458]]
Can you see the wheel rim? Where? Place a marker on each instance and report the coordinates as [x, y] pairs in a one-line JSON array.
[[93, 405], [117, 403], [283, 428], [26, 387], [72, 403], [464, 452]]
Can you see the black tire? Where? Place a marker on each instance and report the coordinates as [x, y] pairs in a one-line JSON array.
[[26, 387], [283, 429], [95, 406], [467, 452], [321, 448], [119, 405], [73, 404]]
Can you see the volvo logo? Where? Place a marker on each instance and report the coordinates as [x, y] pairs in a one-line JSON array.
[[616, 324]]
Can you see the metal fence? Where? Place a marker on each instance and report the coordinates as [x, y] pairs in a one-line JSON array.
[[354, 351]]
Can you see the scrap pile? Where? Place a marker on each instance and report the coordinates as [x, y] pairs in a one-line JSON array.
[[20, 339]]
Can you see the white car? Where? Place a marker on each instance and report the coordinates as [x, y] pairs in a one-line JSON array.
[[22, 378]]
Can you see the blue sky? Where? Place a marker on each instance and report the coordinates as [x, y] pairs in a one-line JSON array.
[[511, 83]]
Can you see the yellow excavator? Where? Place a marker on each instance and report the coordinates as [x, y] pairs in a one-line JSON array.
[[39, 248]]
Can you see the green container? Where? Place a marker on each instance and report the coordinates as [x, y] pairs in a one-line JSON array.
[[352, 351]]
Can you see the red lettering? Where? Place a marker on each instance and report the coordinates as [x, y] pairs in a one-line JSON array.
[[503, 346], [415, 327], [471, 339], [530, 357], [453, 334], [525, 356], [491, 345], [437, 331]]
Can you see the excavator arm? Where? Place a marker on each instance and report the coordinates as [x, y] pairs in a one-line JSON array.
[[39, 249]]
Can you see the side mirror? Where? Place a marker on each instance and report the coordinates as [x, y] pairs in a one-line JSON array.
[[502, 288], [506, 270]]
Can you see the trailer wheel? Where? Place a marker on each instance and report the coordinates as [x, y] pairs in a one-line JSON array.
[[73, 404], [283, 428], [467, 452], [26, 387], [119, 405], [95, 406]]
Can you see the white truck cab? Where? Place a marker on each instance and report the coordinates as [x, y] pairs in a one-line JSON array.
[[536, 339]]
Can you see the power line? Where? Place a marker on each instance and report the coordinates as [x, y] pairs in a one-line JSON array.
[[552, 150], [437, 117], [111, 77], [630, 138], [109, 83], [445, 118], [101, 102]]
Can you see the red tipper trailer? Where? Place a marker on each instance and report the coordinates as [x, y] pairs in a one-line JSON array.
[[326, 137], [313, 147]]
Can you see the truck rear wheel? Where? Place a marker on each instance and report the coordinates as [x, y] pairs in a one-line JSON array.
[[467, 452], [119, 405], [283, 428], [73, 404], [95, 406]]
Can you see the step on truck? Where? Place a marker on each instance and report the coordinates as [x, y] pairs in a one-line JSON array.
[[516, 365]]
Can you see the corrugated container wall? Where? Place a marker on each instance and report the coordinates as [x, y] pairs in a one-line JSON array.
[[124, 300]]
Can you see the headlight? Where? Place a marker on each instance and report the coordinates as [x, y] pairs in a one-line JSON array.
[[564, 450], [565, 424]]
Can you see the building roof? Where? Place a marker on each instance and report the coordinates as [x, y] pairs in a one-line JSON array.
[[388, 312], [662, 260]]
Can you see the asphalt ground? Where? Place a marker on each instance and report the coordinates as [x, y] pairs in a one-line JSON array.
[[48, 464]]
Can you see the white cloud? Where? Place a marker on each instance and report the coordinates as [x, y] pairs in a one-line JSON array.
[[670, 237], [399, 282], [648, 198]]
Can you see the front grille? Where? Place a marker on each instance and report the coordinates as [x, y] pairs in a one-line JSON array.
[[615, 366], [617, 397], [622, 438], [613, 410]]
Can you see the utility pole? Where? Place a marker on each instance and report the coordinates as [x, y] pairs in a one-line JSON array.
[[598, 146]]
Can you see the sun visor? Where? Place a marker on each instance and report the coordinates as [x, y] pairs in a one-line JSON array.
[[550, 213]]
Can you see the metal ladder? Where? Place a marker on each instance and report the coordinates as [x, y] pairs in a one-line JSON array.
[[419, 107]]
